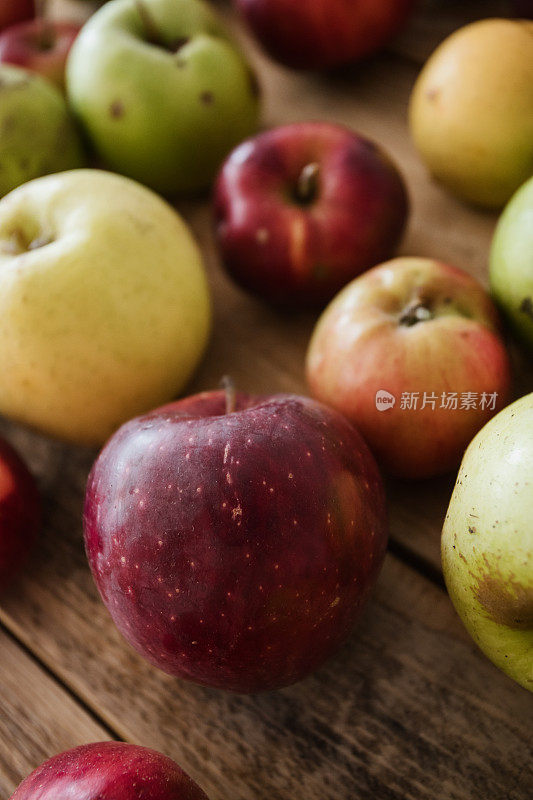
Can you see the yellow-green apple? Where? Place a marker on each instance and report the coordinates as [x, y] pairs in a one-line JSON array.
[[471, 111], [20, 513], [321, 34], [38, 134], [235, 539], [411, 353], [162, 91], [104, 306], [109, 771], [40, 45], [13, 11], [487, 541], [511, 263], [302, 209]]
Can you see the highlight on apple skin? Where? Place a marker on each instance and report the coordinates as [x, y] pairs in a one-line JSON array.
[[109, 771], [487, 541], [235, 543], [322, 34], [302, 209], [427, 336], [20, 513]]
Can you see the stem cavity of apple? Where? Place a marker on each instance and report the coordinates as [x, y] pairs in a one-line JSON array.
[[228, 385], [308, 184], [416, 312]]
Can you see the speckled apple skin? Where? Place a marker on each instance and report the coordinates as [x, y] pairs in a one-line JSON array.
[[236, 550], [295, 254], [109, 771], [20, 513]]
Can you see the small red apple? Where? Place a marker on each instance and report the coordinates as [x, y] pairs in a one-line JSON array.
[[109, 771], [236, 546], [303, 209], [12, 11], [39, 45], [411, 353], [19, 513], [321, 34]]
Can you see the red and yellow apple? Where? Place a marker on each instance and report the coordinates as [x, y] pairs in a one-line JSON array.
[[411, 353], [321, 34], [109, 771], [302, 209], [235, 541], [20, 512], [39, 45]]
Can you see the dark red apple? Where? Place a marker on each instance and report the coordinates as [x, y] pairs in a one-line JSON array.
[[303, 209], [321, 34], [19, 513], [12, 11], [109, 771], [39, 45], [236, 548]]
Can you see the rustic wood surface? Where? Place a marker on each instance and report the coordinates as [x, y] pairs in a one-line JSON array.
[[409, 709]]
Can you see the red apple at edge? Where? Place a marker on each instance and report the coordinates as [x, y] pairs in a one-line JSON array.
[[12, 11], [412, 332], [321, 34], [302, 209], [234, 544], [109, 771], [39, 45], [20, 512]]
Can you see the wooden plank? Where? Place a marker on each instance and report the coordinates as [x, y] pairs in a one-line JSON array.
[[37, 717], [408, 709]]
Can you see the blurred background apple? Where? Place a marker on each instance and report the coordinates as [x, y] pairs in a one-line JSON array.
[[40, 45], [12, 11]]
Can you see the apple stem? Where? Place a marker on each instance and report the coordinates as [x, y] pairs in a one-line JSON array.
[[307, 186], [228, 386], [416, 312], [150, 28]]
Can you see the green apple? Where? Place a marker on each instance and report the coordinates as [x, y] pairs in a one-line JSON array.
[[37, 134], [104, 305], [471, 110], [162, 92], [487, 541], [511, 263]]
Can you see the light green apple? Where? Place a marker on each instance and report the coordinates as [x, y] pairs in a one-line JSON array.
[[471, 110], [511, 263], [487, 541], [104, 305], [38, 136], [162, 91]]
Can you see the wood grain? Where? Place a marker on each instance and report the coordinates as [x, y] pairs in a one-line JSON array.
[[37, 717]]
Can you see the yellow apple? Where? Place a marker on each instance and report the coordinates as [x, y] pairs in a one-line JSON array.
[[104, 305], [471, 111]]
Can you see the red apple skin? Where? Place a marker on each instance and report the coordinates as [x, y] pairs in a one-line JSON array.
[[361, 346], [39, 45], [322, 34], [236, 550], [109, 771], [13, 11], [20, 513], [300, 252]]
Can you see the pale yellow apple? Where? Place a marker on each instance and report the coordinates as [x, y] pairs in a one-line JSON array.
[[104, 304], [471, 111]]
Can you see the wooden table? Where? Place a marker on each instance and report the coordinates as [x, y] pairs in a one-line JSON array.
[[409, 710]]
